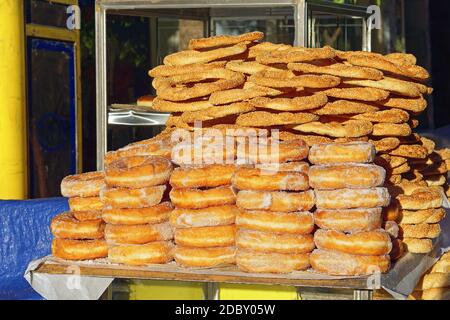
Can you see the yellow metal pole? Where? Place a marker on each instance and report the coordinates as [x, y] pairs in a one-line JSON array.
[[13, 150]]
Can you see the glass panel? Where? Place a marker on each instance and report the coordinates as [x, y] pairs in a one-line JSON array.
[[51, 115], [46, 13]]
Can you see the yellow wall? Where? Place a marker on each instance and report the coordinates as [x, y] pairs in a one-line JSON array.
[[13, 159], [166, 290], [256, 292]]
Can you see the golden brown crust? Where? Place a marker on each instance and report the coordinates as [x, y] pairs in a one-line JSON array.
[[132, 198], [418, 245], [436, 294], [83, 185], [410, 151], [275, 201], [198, 199], [300, 103], [345, 107], [238, 95], [224, 40], [397, 86], [344, 264], [420, 231], [87, 215], [150, 215], [255, 262], [385, 144], [287, 79], [66, 226], [140, 255], [79, 249], [396, 116], [217, 236], [209, 176], [272, 152], [206, 217], [415, 105], [357, 152], [350, 220], [337, 129], [171, 106], [267, 119], [309, 139], [276, 222], [422, 199], [356, 176], [85, 204], [352, 198], [391, 130], [357, 93], [233, 109], [256, 179], [338, 70], [137, 234], [285, 54], [204, 257]]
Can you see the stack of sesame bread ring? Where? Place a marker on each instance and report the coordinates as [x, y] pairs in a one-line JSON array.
[[349, 201], [79, 234], [137, 228]]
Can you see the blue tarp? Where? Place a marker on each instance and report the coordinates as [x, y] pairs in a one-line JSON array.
[[24, 236]]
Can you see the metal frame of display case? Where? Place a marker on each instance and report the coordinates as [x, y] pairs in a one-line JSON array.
[[105, 116]]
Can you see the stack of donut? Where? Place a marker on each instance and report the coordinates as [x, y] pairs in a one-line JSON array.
[[349, 201], [205, 209], [79, 234], [274, 223], [137, 229]]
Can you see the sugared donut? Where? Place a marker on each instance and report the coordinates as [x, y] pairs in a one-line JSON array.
[[275, 201], [220, 236], [299, 167], [361, 243], [150, 215], [87, 215], [79, 249], [352, 198], [85, 204], [349, 220], [274, 242], [137, 234], [206, 217], [256, 179], [329, 177], [208, 176], [258, 262], [344, 264], [66, 226], [204, 257], [276, 222], [359, 152], [138, 172], [271, 152], [158, 252], [132, 198], [199, 198], [83, 185]]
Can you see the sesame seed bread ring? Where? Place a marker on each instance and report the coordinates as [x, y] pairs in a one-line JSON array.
[[344, 264], [218, 236], [175, 88], [66, 226], [137, 234], [420, 231], [138, 172], [391, 130], [393, 85], [430, 216], [414, 245], [287, 79], [357, 152], [159, 252], [310, 140], [349, 220], [352, 198], [132, 198], [264, 47], [268, 119], [414, 151], [441, 266], [337, 129], [248, 67], [86, 204], [87, 215], [83, 185], [171, 106], [385, 144], [238, 95], [170, 71], [275, 201], [217, 112], [295, 54], [188, 57], [272, 152], [422, 199], [346, 176], [224, 40], [206, 217], [79, 249], [357, 93], [199, 199], [345, 107], [436, 294], [281, 263], [208, 176], [276, 222], [271, 242], [256, 179], [415, 105], [338, 70], [368, 243], [300, 103], [396, 116], [435, 280], [204, 257], [150, 215]]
